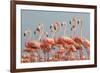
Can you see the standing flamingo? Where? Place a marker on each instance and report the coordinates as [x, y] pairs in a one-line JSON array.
[[31, 45], [26, 58], [80, 41], [65, 41], [46, 45], [69, 43], [46, 42], [86, 43]]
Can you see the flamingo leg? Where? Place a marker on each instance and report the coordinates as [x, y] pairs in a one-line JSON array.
[[45, 57], [81, 54], [88, 53], [39, 56], [48, 56]]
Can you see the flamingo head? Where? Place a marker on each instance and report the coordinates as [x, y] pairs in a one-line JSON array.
[[27, 32], [39, 29], [55, 27]]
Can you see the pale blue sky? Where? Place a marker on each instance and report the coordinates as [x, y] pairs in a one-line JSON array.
[[31, 18]]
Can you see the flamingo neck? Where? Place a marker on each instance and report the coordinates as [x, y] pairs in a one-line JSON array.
[[65, 29], [81, 29]]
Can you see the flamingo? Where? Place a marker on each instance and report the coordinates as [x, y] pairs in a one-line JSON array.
[[77, 40], [85, 42], [65, 41], [26, 58], [61, 52], [68, 42], [80, 41], [46, 44], [69, 45], [45, 41], [31, 45]]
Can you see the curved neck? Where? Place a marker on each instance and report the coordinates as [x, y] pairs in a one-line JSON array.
[[81, 26], [65, 26]]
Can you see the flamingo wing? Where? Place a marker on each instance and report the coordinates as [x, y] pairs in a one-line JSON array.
[[33, 44], [86, 43]]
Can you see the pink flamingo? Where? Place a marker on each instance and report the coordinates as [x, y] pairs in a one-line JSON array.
[[78, 40], [85, 42], [46, 42], [81, 42], [65, 41], [26, 58], [42, 44], [46, 45], [31, 45], [69, 43], [61, 53]]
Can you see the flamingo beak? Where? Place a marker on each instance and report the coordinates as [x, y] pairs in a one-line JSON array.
[[24, 34], [50, 27], [38, 29], [78, 22], [34, 32], [61, 24], [70, 22]]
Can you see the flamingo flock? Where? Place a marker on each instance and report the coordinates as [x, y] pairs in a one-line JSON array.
[[56, 48]]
